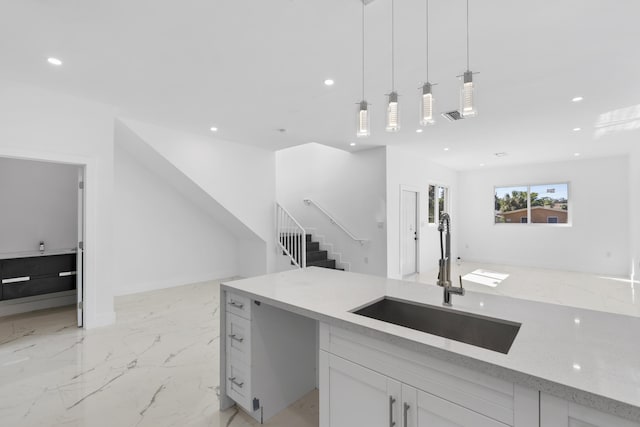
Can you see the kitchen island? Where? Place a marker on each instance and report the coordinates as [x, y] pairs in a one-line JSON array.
[[565, 366]]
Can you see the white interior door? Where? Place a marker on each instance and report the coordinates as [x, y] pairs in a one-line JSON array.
[[80, 249], [409, 232]]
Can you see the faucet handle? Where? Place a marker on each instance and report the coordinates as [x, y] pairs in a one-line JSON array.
[[460, 278]]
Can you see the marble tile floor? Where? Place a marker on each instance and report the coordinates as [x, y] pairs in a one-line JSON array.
[[157, 366]]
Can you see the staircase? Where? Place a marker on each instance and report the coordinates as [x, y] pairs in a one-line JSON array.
[[302, 252], [317, 257]]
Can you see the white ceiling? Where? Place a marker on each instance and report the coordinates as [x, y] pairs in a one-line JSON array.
[[251, 67]]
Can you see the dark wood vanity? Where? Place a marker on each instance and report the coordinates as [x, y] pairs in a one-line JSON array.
[[29, 275]]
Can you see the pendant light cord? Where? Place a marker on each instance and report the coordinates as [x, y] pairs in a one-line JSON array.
[[363, 50], [467, 35], [392, 48], [427, 37]]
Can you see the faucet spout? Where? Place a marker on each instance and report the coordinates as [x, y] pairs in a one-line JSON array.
[[444, 265], [444, 273]]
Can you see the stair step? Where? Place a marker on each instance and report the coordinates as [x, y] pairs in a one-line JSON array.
[[316, 256], [327, 263], [313, 246]]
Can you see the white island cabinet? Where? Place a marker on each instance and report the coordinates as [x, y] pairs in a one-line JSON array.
[[287, 333], [268, 357], [365, 381]]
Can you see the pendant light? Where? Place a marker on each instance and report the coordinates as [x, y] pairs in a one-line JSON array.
[[426, 100], [363, 106], [392, 107], [467, 105]]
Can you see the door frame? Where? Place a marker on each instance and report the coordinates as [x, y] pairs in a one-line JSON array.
[[418, 225], [89, 300]]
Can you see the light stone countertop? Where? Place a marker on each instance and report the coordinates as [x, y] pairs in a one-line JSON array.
[[584, 290], [36, 253], [585, 356]]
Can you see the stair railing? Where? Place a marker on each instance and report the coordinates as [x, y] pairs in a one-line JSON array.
[[334, 221], [291, 237]]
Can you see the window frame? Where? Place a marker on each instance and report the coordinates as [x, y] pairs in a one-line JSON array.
[[569, 222], [436, 202]]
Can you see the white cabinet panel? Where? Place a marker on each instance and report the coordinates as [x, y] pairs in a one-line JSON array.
[[238, 338], [556, 412], [238, 305], [422, 409], [433, 411], [358, 396]]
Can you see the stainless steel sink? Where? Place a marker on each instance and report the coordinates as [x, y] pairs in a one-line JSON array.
[[481, 331]]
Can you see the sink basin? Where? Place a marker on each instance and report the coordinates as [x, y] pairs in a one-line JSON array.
[[481, 331]]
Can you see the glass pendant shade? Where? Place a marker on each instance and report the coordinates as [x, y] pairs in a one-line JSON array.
[[392, 113], [363, 120], [426, 107], [467, 96]]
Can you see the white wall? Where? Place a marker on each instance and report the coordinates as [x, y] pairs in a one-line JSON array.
[[410, 167], [39, 203], [163, 239], [634, 217], [39, 124], [597, 241], [241, 178], [351, 186]]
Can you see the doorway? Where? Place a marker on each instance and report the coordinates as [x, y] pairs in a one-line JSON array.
[[409, 232], [43, 228]]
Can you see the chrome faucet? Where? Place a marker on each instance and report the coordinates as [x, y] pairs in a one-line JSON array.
[[444, 273]]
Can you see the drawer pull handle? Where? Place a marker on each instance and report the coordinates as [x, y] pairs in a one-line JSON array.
[[233, 380], [406, 414], [16, 280], [236, 304], [392, 400], [66, 273], [236, 338]]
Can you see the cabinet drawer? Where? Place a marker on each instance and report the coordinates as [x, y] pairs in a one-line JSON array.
[[37, 266], [38, 287], [239, 384], [239, 305], [238, 339]]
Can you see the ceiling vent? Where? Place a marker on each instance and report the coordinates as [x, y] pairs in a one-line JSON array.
[[452, 116]]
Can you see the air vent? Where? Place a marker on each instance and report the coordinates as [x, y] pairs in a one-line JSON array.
[[452, 116]]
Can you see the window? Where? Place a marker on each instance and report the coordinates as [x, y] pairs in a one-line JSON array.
[[432, 204], [535, 204], [438, 196]]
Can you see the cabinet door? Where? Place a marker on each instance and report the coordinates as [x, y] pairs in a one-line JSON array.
[[556, 412], [428, 410], [358, 396]]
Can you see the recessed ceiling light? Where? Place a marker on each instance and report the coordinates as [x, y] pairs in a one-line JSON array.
[[353, 144], [329, 82], [577, 129], [481, 164], [418, 130], [577, 99], [446, 149], [576, 154], [213, 129], [54, 61], [577, 367]]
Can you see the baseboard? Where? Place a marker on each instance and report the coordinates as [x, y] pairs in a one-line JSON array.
[[136, 288], [40, 302]]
